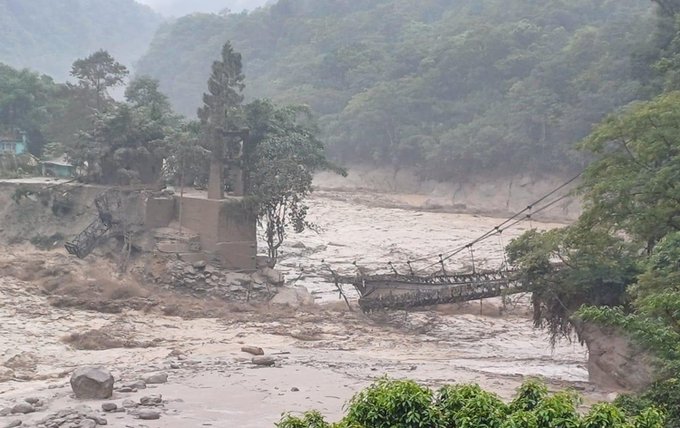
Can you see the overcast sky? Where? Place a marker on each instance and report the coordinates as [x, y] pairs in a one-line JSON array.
[[184, 7]]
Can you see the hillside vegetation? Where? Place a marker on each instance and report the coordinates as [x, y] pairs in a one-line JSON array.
[[47, 35], [447, 86]]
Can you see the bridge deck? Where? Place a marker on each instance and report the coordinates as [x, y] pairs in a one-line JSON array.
[[404, 291]]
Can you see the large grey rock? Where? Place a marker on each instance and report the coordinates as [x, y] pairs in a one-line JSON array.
[[14, 424], [155, 378], [253, 350], [294, 297], [148, 414], [92, 383], [265, 360], [87, 423], [151, 400], [109, 407], [273, 276], [23, 408]]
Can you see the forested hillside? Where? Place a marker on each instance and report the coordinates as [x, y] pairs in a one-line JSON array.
[[448, 86], [47, 35]]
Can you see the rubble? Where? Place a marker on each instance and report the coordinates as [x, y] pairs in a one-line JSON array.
[[81, 417], [202, 279]]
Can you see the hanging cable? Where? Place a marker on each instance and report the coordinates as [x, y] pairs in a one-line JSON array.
[[472, 257], [500, 228], [501, 244]]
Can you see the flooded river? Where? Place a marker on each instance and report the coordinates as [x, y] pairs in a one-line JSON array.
[[324, 354], [350, 228]]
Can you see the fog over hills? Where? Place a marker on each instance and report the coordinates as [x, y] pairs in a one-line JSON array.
[[183, 7], [47, 35]]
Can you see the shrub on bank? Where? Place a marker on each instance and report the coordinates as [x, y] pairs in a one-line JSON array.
[[405, 404]]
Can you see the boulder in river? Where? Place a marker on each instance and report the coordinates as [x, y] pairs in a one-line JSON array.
[[92, 383], [148, 415], [294, 297], [155, 378], [23, 408], [264, 361], [252, 350]]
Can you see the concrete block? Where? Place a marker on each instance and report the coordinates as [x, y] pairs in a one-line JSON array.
[[237, 255]]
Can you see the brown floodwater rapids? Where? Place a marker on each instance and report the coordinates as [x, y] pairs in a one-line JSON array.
[[350, 228], [325, 354]]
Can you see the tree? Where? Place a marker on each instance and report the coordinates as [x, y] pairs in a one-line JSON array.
[[571, 267], [144, 93], [99, 72], [633, 186], [283, 156], [619, 262], [27, 103], [123, 147], [221, 111]]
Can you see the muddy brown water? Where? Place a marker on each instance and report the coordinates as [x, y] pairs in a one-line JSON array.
[[350, 229], [325, 354]]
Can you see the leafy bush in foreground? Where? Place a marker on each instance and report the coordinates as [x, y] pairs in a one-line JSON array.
[[405, 404]]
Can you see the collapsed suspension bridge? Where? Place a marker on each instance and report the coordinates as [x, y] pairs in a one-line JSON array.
[[419, 288]]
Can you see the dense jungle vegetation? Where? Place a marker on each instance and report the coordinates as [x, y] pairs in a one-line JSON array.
[[618, 264], [47, 35], [446, 86]]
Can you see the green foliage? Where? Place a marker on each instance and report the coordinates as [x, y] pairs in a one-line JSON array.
[[186, 161], [27, 104], [403, 403], [446, 87], [521, 419], [393, 404], [653, 334], [311, 419], [630, 188], [469, 406], [567, 268], [604, 415], [144, 93], [97, 73], [283, 154], [558, 411], [656, 406], [121, 148], [529, 395], [221, 111]]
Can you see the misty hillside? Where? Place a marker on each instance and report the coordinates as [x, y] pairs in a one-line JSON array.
[[48, 35], [183, 7], [447, 86]]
